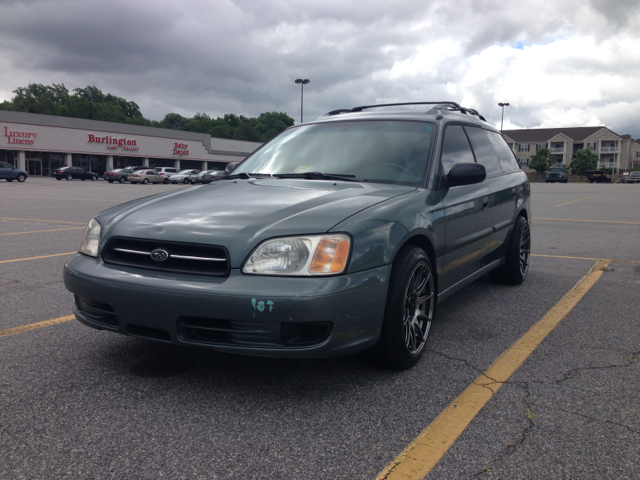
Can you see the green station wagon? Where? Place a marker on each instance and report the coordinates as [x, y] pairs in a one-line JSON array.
[[339, 235]]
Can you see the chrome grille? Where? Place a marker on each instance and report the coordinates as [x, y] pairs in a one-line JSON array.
[[167, 256]]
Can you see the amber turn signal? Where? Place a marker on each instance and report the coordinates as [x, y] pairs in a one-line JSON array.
[[331, 255]]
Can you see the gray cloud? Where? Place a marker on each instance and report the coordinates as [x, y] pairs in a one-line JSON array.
[[242, 56]]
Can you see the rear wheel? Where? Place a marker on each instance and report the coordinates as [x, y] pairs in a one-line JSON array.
[[185, 181], [410, 308], [145, 181], [122, 180], [22, 177], [93, 178], [514, 271]]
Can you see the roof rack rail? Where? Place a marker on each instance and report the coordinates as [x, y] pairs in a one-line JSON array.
[[452, 106]]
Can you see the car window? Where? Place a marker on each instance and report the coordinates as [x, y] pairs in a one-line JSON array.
[[485, 154], [6, 166], [456, 148], [171, 170], [505, 154], [385, 150]]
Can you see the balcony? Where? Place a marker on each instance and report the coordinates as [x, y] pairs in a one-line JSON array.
[[558, 150], [609, 149]]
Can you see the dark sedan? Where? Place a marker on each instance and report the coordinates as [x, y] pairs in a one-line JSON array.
[[121, 175], [10, 173], [72, 173]]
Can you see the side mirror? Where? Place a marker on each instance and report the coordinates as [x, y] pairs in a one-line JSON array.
[[466, 174], [230, 166]]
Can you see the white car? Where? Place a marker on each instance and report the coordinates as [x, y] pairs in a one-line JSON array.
[[167, 171], [185, 176]]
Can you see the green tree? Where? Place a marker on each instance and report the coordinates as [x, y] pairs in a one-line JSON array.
[[93, 104], [584, 160], [542, 160]]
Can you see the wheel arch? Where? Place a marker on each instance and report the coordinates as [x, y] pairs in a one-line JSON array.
[[422, 241]]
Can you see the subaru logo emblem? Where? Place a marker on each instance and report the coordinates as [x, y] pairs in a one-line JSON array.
[[159, 255]]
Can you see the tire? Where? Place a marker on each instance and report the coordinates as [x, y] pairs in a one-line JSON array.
[[166, 180], [58, 178], [185, 181], [110, 181], [409, 312], [93, 178], [518, 255], [145, 181], [122, 180], [69, 177], [22, 177]]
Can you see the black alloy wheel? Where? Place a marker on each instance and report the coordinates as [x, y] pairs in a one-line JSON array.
[[410, 310], [69, 177], [518, 256], [22, 177]]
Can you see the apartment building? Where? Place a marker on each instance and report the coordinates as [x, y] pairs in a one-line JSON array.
[[620, 152]]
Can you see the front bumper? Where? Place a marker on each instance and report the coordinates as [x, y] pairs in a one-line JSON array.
[[239, 314]]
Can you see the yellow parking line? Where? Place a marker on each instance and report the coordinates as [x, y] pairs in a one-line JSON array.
[[586, 221], [34, 326], [417, 460], [36, 258], [43, 231], [573, 201], [41, 221], [583, 258]]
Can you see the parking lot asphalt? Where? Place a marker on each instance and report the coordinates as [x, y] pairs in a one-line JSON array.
[[79, 403]]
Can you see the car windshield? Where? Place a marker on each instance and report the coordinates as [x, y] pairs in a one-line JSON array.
[[635, 174], [380, 151], [556, 170]]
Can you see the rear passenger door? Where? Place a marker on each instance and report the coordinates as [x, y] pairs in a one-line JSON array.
[[467, 214]]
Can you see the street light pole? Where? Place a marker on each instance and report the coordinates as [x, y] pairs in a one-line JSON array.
[[502, 121], [302, 84]]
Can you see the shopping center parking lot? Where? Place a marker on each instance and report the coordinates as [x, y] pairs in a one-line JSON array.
[[80, 403]]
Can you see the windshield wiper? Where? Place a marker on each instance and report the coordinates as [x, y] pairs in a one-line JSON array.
[[244, 175], [319, 176]]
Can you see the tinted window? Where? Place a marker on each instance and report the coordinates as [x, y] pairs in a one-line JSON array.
[[385, 151], [485, 154], [456, 148], [507, 158]]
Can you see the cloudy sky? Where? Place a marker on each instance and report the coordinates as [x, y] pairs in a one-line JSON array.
[[557, 62]]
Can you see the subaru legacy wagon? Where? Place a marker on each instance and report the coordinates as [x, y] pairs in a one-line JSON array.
[[339, 235]]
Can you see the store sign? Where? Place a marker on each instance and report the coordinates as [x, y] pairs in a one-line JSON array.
[[181, 149], [114, 143], [20, 138]]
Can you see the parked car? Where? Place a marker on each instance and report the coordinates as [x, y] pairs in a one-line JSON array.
[[633, 177], [185, 176], [209, 176], [74, 173], [10, 173], [336, 236], [120, 174], [166, 171], [146, 176], [598, 176], [556, 174]]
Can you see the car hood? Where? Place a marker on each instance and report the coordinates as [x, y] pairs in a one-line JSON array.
[[240, 214]]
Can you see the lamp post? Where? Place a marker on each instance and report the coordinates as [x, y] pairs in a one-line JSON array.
[[302, 84], [502, 121]]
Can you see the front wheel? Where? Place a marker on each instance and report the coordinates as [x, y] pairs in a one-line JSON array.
[[166, 180], [514, 271], [69, 177], [410, 309], [22, 177], [93, 178]]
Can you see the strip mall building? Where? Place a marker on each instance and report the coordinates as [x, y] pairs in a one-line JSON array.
[[42, 143]]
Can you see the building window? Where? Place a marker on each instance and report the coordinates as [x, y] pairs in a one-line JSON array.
[[524, 147], [592, 146], [540, 146]]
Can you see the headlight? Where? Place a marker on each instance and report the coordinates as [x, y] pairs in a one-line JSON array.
[[91, 239], [304, 255]]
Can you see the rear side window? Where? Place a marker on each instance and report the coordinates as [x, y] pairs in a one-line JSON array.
[[485, 153], [507, 158], [456, 148]]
